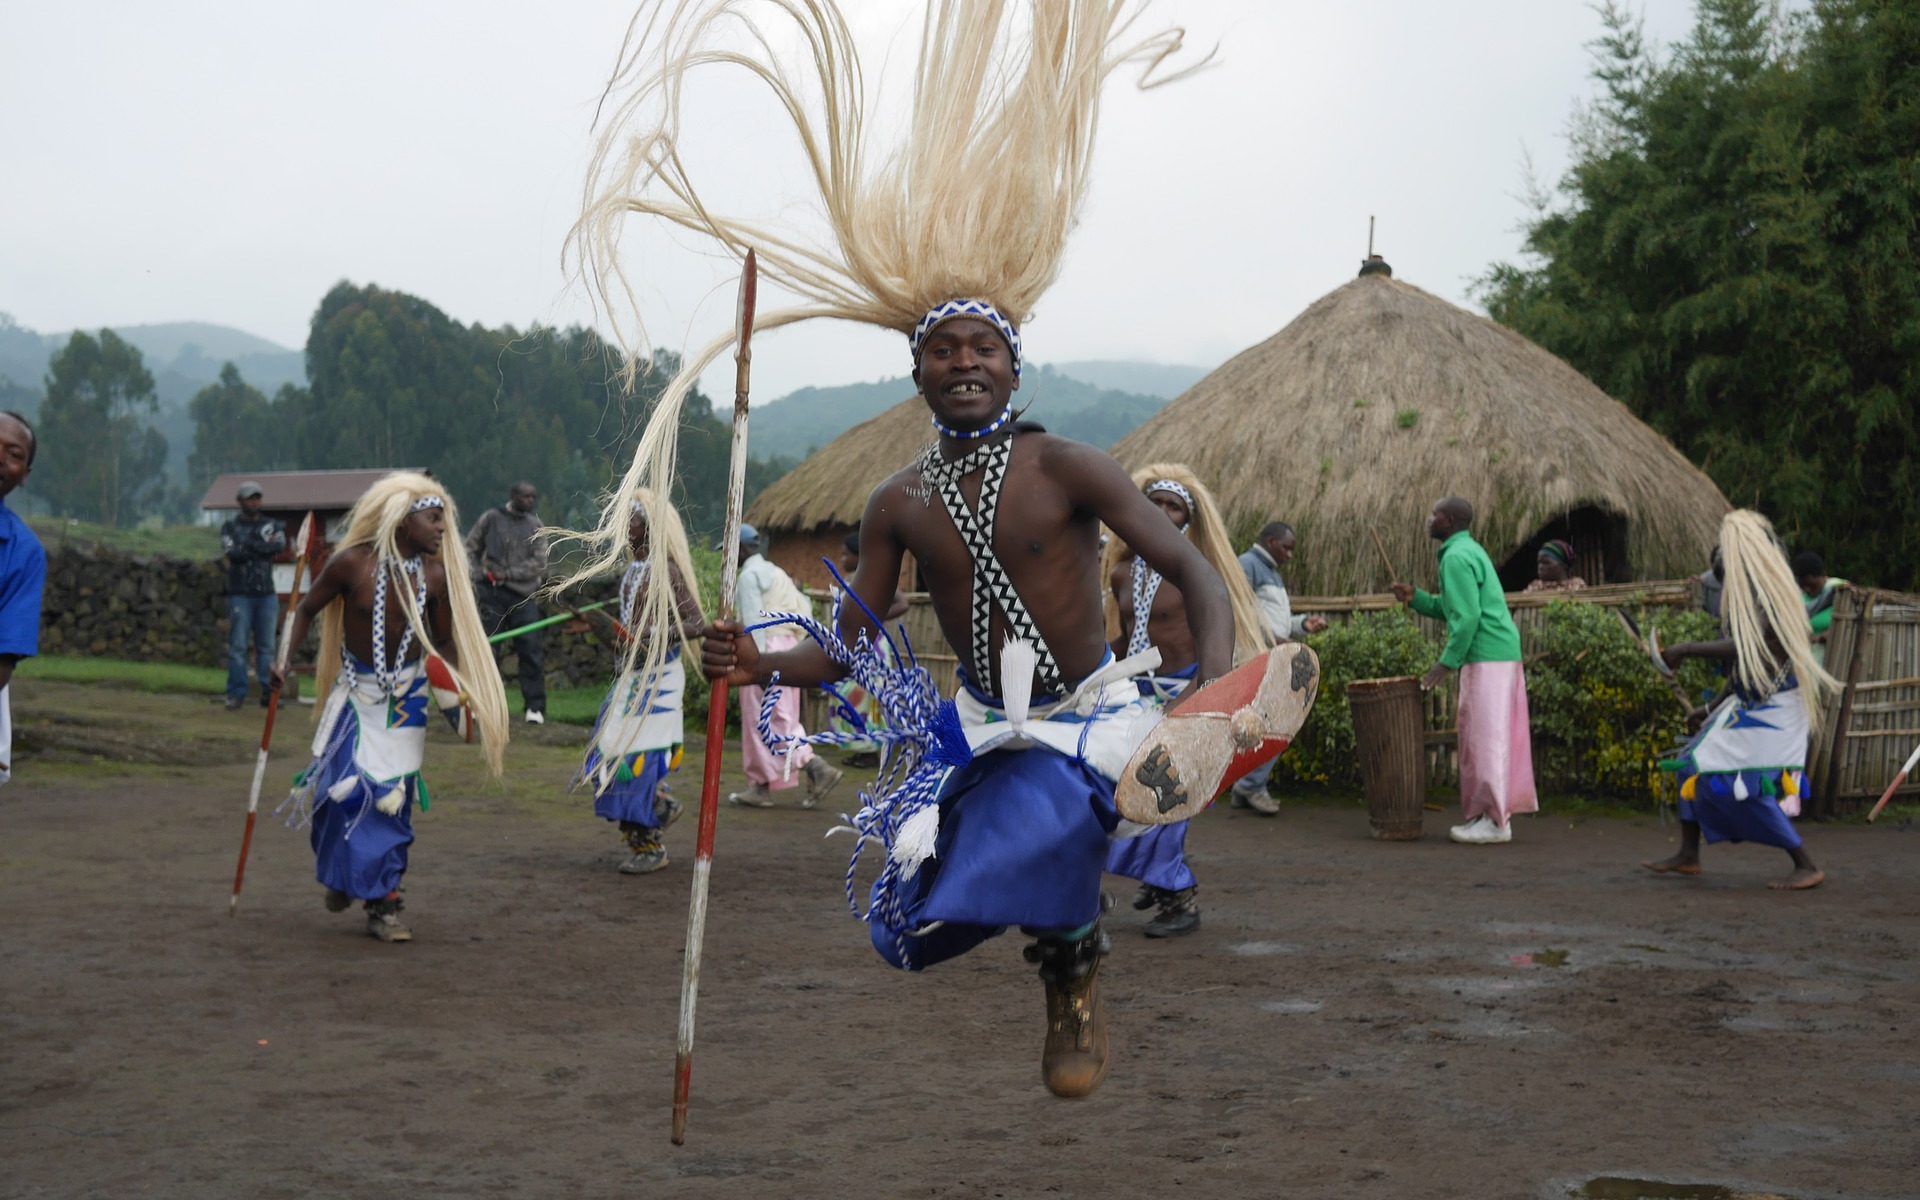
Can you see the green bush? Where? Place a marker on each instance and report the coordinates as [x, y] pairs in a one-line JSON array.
[[1371, 646], [1602, 718]]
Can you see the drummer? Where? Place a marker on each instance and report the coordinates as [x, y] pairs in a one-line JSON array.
[[1496, 750]]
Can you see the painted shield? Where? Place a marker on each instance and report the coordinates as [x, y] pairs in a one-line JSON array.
[[1240, 720], [448, 698]]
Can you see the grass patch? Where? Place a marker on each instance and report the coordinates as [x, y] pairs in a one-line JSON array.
[[194, 542], [569, 706], [1407, 418], [117, 672]]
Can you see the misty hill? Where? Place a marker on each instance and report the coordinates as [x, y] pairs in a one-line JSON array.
[[184, 356], [801, 422], [1165, 380]]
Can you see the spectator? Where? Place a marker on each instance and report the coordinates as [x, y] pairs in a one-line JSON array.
[[1712, 581], [509, 557], [1820, 590], [1261, 565], [1553, 569], [23, 574], [248, 545], [763, 588]]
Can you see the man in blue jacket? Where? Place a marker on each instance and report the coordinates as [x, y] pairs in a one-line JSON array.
[[23, 574]]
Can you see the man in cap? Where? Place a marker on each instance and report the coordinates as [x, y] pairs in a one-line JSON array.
[[509, 557], [249, 542], [764, 588]]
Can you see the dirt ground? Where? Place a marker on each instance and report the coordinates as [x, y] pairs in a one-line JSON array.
[[1353, 1019]]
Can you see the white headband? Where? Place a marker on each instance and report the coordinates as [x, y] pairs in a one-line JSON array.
[[426, 502], [1168, 485]]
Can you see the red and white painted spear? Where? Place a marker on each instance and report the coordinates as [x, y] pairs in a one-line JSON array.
[[716, 705], [300, 561]]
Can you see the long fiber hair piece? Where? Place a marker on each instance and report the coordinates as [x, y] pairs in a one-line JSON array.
[[1208, 533], [1767, 615], [977, 201], [667, 550], [372, 522]]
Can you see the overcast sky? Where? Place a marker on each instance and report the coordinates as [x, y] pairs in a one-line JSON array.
[[230, 162]]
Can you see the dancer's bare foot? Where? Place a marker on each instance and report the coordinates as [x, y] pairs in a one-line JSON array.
[[1802, 879], [1679, 864]]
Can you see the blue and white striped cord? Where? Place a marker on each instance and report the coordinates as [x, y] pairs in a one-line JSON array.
[[921, 742]]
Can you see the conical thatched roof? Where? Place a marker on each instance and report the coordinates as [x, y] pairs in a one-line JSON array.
[[832, 485], [1379, 399]]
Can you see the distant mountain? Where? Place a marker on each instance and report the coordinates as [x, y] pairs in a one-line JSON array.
[[801, 422], [184, 356], [1165, 380]]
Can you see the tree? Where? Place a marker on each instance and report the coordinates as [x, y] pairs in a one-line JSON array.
[[233, 430], [100, 456], [1735, 254]]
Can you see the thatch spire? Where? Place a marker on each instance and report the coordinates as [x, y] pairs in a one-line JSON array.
[[1380, 399]]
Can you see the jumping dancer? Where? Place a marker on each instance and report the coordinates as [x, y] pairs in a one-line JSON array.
[[950, 240]]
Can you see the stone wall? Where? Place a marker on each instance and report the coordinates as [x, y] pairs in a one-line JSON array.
[[101, 604], [107, 605]]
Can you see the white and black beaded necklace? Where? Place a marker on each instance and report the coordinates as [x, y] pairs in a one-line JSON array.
[[990, 583], [630, 585], [388, 676]]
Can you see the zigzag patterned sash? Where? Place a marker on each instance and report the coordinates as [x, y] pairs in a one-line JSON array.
[[990, 583]]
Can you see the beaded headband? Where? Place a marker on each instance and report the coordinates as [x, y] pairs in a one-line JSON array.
[[1168, 485], [939, 314], [426, 502]]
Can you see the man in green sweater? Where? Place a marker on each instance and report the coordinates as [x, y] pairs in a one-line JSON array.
[[1496, 750]]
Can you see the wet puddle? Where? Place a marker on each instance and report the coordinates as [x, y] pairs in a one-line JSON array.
[[1616, 1187]]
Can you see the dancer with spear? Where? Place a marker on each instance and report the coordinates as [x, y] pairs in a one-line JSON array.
[[950, 240]]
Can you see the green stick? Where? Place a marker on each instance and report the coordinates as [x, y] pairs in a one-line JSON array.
[[543, 622]]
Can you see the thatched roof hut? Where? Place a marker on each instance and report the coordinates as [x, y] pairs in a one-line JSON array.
[[1380, 398], [806, 512]]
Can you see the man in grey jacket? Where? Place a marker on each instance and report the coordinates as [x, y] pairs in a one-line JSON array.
[[509, 557], [1261, 565]]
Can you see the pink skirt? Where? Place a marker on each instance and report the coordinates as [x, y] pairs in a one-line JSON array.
[[1496, 746], [762, 765]]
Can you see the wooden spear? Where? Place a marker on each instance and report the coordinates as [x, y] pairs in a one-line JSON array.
[[716, 706], [273, 707], [1912, 760]]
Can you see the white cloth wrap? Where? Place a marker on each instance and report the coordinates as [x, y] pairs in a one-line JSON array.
[[381, 754], [643, 713]]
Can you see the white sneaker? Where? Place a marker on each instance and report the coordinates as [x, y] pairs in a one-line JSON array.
[[536, 718], [1481, 831]]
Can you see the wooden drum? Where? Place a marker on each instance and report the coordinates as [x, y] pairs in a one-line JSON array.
[[1389, 736]]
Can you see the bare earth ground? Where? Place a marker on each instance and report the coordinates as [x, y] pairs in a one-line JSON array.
[[1354, 1019]]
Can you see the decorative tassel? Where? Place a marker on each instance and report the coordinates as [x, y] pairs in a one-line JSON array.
[[391, 802], [1740, 791], [1766, 785], [343, 787], [1688, 788], [1017, 662], [1790, 783], [946, 738], [914, 843]]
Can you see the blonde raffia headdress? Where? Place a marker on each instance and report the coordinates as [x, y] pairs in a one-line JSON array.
[[373, 521], [1208, 533], [1766, 614], [974, 205]]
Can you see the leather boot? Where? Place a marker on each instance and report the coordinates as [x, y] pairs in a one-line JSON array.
[[1073, 1060], [1179, 914]]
